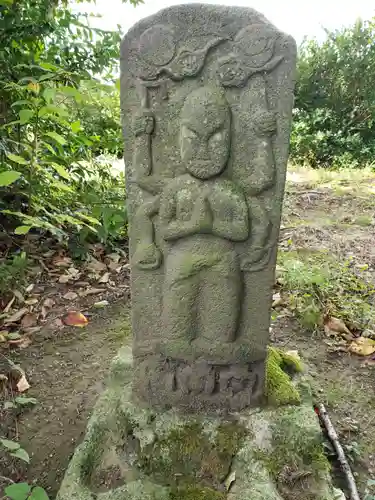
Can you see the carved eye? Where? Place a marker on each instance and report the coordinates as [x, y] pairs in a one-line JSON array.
[[187, 133]]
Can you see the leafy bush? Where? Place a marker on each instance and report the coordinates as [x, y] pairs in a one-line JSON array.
[[56, 118], [334, 116]]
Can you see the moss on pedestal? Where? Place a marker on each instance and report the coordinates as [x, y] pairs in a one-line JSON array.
[[297, 463], [279, 388], [189, 458]]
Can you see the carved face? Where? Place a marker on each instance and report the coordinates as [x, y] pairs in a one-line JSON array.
[[205, 133]]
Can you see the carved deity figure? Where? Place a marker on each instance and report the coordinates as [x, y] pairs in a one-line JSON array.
[[202, 214]]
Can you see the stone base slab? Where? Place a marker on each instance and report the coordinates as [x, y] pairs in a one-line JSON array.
[[134, 453]]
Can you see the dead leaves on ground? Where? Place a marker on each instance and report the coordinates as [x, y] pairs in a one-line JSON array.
[[361, 345], [341, 338], [75, 318], [60, 290], [13, 375]]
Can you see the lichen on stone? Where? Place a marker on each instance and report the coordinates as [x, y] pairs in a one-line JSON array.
[[279, 388], [191, 492]]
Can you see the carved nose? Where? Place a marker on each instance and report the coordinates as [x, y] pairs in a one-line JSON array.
[[203, 151]]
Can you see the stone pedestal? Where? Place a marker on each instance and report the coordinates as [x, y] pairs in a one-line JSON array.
[[134, 453]]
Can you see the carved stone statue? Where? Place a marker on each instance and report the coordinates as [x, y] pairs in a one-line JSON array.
[[207, 94]]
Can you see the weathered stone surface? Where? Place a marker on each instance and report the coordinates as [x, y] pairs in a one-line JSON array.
[[207, 94], [139, 454]]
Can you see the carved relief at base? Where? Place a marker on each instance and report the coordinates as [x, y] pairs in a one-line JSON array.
[[171, 382]]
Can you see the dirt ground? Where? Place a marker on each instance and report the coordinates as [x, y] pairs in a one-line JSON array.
[[66, 372], [67, 368]]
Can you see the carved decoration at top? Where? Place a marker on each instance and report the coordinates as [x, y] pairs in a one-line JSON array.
[[252, 51]]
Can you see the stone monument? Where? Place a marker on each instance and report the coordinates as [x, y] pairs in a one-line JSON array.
[[206, 96]]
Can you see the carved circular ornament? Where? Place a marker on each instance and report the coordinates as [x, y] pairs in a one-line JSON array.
[[157, 45], [256, 44]]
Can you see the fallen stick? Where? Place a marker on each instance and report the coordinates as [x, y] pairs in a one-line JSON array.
[[332, 434]]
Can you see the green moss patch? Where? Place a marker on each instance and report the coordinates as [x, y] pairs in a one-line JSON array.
[[297, 463], [280, 389], [189, 455]]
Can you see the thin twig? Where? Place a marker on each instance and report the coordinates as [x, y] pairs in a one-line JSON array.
[[6, 479], [333, 437]]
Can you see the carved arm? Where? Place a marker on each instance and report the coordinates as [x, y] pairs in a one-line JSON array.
[[236, 229]]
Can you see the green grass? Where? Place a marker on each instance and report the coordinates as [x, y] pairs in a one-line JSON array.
[[317, 284]]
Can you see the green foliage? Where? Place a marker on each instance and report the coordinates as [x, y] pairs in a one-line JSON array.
[[318, 285], [15, 450], [12, 272], [55, 120], [23, 491], [334, 116], [99, 115], [370, 490]]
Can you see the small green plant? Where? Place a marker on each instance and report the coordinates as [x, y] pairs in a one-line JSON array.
[[370, 490], [353, 451], [19, 403], [23, 491], [15, 450], [12, 272]]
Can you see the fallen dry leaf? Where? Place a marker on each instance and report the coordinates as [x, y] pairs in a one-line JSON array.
[[74, 318], [105, 278], [49, 303], [60, 261], [114, 257], [113, 265], [294, 353], [73, 272], [3, 336], [362, 346], [102, 303], [276, 300], [230, 480], [22, 343], [65, 278], [22, 384], [91, 291], [82, 283], [9, 305], [29, 288], [16, 316], [70, 296], [96, 265], [30, 319], [19, 296], [31, 301], [333, 326]]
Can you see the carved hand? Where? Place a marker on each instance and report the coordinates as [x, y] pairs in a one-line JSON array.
[[265, 123], [255, 258], [144, 123], [203, 215]]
